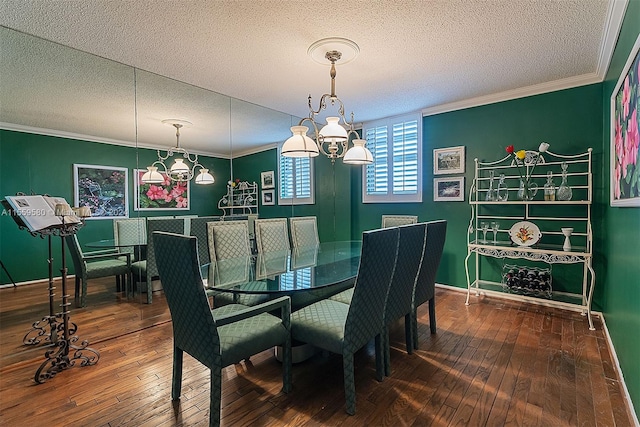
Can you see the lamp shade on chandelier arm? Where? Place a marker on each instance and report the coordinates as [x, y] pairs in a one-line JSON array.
[[299, 144], [179, 170], [359, 154]]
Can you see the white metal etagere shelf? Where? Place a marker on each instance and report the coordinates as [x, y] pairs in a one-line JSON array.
[[548, 216], [241, 199]]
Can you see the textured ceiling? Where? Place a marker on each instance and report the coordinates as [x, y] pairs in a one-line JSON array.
[[414, 55]]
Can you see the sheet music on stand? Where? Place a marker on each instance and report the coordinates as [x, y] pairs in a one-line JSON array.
[[37, 214]]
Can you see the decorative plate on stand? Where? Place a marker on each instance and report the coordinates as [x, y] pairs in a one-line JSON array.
[[525, 233]]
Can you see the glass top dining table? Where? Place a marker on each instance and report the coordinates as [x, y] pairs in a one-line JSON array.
[[306, 274]]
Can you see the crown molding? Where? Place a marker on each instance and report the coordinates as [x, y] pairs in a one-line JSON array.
[[91, 138], [570, 82], [254, 150], [615, 16]]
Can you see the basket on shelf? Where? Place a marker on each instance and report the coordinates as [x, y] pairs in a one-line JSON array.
[[527, 280]]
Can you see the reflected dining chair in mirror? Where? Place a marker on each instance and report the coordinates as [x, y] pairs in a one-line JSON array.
[[129, 234], [272, 234], [397, 220], [426, 281], [220, 337], [147, 270], [269, 264], [92, 265], [198, 228], [344, 329], [304, 231]]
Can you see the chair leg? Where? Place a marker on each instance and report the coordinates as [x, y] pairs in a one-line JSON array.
[[77, 291], [118, 283], [349, 382], [176, 383], [408, 333], [386, 348], [216, 396], [414, 327], [83, 296], [286, 365], [432, 314], [149, 288]]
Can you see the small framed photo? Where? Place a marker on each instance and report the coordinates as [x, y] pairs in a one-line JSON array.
[[448, 189], [268, 197], [104, 189], [448, 160], [267, 179]]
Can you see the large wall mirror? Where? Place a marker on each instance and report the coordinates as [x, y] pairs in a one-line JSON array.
[[62, 107]]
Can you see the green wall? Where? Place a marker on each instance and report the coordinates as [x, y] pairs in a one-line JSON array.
[[332, 193], [569, 120], [621, 242], [40, 164]]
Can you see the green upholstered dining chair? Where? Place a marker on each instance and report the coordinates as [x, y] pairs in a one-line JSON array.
[[399, 302], [344, 329], [272, 235], [304, 231], [220, 337], [147, 270], [397, 220], [228, 239], [91, 265], [426, 281]]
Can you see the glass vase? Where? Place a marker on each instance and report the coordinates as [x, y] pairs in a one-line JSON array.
[[491, 196], [527, 190], [502, 192], [564, 191]]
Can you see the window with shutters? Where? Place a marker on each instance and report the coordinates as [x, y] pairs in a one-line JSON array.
[[396, 172], [296, 180]]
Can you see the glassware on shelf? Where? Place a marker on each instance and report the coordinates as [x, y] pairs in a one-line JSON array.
[[502, 192], [564, 192], [527, 190], [495, 226], [549, 188], [491, 196], [484, 226]]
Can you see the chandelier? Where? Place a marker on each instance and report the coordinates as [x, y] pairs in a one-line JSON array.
[[332, 139], [179, 171]]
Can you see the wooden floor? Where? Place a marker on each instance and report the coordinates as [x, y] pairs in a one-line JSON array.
[[492, 363]]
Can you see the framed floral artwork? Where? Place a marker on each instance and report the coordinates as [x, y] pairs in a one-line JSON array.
[[103, 189], [448, 189], [625, 136], [169, 195]]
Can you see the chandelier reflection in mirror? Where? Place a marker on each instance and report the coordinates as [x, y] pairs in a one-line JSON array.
[[179, 171], [332, 139]]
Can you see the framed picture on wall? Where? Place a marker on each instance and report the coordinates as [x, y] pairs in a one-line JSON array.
[[448, 160], [104, 189], [169, 195], [267, 179], [448, 189], [625, 137], [268, 197]]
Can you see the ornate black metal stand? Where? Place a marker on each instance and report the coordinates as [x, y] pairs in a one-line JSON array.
[[56, 328], [66, 352]]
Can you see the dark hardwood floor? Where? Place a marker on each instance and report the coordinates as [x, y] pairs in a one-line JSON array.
[[493, 363]]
